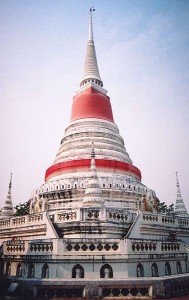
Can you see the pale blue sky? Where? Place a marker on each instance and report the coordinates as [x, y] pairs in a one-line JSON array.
[[143, 56]]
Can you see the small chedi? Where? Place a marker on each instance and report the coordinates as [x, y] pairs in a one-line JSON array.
[[93, 228]]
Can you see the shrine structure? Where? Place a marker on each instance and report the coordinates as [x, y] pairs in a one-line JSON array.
[[94, 229]]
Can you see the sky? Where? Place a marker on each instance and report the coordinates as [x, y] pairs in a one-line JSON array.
[[143, 57]]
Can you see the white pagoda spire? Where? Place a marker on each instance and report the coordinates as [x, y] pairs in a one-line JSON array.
[[93, 193], [180, 208], [8, 211], [91, 72]]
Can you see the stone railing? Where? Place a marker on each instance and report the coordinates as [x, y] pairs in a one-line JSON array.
[[5, 223], [118, 217], [150, 218], [170, 246], [183, 222], [160, 219], [22, 220], [36, 218], [83, 247], [42, 247], [20, 247], [18, 221], [157, 246], [168, 220], [147, 246], [14, 247], [66, 216]]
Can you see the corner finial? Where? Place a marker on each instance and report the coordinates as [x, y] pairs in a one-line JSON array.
[[93, 193], [8, 210], [180, 208]]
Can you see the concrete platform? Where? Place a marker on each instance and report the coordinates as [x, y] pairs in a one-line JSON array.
[[175, 287]]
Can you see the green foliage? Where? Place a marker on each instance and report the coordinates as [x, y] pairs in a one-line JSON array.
[[163, 208], [22, 209]]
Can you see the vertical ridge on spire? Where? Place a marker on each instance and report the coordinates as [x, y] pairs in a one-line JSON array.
[[91, 71], [8, 210], [180, 208]]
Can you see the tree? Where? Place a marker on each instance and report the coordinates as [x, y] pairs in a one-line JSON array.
[[22, 209], [163, 208], [170, 209]]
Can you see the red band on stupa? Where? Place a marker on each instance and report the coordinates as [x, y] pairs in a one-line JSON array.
[[77, 165], [91, 104]]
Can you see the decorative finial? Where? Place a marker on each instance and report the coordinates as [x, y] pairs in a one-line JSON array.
[[93, 164], [91, 76], [90, 37], [91, 9], [93, 193]]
